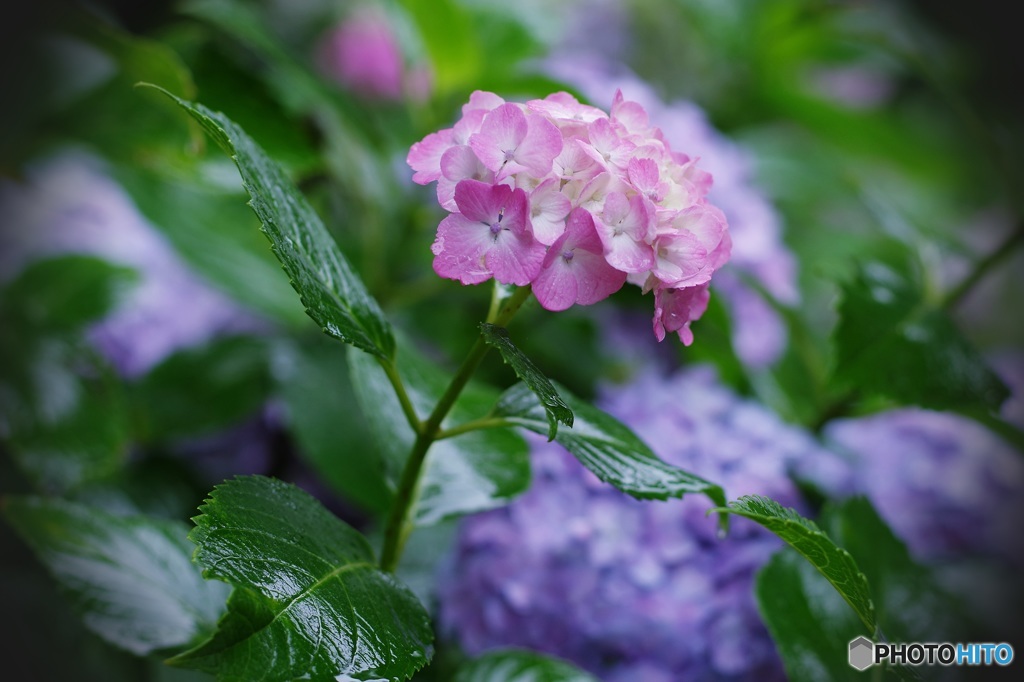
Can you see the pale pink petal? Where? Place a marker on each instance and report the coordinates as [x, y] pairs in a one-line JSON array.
[[630, 114], [460, 249], [680, 258], [425, 156], [457, 164], [483, 101], [542, 144], [574, 163], [705, 222], [501, 133], [548, 209]]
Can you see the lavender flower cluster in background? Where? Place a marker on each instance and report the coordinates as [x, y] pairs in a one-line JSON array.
[[68, 205], [633, 590], [949, 487]]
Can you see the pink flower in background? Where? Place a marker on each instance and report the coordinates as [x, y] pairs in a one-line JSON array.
[[575, 202], [363, 54]]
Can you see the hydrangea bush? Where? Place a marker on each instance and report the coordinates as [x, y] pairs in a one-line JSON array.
[[426, 508]]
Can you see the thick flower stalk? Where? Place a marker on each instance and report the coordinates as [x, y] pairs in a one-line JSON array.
[[575, 202]]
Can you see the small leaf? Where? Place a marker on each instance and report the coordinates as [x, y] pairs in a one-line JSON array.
[[475, 471], [607, 447], [518, 665], [309, 600], [890, 340], [332, 293], [524, 368], [201, 389], [834, 562], [130, 577]]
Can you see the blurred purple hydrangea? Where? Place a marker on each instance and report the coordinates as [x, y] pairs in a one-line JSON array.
[[627, 589], [67, 204], [949, 487], [759, 335]]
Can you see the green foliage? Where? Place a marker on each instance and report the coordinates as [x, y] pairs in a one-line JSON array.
[[131, 577], [515, 665], [309, 600], [607, 447], [334, 296], [198, 390], [524, 368], [468, 473], [892, 340], [808, 620], [832, 561]]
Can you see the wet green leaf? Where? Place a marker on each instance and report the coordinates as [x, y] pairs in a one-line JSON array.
[[332, 293], [309, 599], [519, 665], [524, 368], [471, 472], [891, 340], [131, 578], [803, 535], [607, 447]]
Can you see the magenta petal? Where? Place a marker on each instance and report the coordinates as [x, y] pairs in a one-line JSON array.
[[460, 250], [481, 201]]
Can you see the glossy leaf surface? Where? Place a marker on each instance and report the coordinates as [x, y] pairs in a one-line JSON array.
[[309, 599], [518, 665], [528, 372], [332, 293], [607, 447]]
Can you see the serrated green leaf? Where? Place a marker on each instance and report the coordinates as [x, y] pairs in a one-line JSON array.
[[803, 535], [524, 368], [808, 620], [332, 293], [607, 448], [63, 294], [520, 665], [309, 600], [475, 471], [201, 389], [891, 340], [131, 578]]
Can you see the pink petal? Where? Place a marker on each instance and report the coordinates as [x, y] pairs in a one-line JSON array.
[[501, 133], [548, 209], [515, 258], [460, 249], [481, 201], [542, 144], [555, 287], [425, 156], [675, 309]]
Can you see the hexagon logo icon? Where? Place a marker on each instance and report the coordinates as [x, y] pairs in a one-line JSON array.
[[862, 653]]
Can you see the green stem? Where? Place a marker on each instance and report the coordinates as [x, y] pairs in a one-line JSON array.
[[983, 266], [475, 425], [403, 396], [399, 523]]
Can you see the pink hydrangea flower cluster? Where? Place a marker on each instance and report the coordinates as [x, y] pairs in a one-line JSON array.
[[575, 202]]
